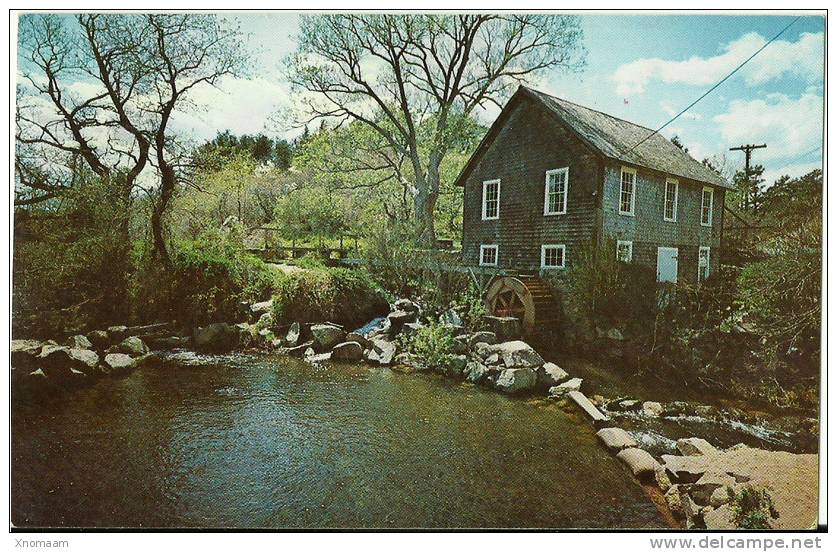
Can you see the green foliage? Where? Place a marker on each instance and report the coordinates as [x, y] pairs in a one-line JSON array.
[[752, 508], [433, 344], [471, 308], [219, 151], [340, 295], [311, 213]]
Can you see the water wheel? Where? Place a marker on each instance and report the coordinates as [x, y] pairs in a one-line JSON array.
[[526, 298]]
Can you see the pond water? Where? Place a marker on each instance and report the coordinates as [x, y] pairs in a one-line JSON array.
[[273, 442]]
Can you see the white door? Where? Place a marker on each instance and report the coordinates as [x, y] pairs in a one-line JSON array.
[[667, 264]]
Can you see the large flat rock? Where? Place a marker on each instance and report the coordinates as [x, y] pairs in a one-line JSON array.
[[588, 407]]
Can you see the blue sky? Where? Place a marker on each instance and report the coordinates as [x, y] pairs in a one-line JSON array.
[[641, 68]]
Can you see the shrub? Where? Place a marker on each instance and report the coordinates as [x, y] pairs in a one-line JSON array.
[[433, 344], [341, 295], [752, 508], [471, 308]]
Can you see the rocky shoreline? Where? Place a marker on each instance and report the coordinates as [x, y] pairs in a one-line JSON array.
[[698, 484]]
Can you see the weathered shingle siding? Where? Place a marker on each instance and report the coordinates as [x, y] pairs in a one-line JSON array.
[[528, 145], [647, 229]]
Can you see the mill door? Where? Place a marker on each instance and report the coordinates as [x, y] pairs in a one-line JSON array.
[[667, 264]]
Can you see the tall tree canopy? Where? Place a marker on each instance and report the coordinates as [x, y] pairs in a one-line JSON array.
[[394, 72]]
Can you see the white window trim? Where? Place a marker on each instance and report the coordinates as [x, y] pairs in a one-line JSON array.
[[485, 185], [563, 209], [496, 254], [711, 205], [708, 250], [630, 245], [560, 246], [633, 193], [676, 194]]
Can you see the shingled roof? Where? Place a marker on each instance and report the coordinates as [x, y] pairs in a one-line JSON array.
[[617, 139]]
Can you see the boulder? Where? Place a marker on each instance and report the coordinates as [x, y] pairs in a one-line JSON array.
[[620, 405], [398, 318], [292, 337], [84, 360], [695, 446], [405, 305], [587, 407], [314, 358], [451, 318], [133, 346], [78, 342], [299, 350], [456, 366], [482, 337], [684, 469], [492, 360], [475, 372], [245, 334], [719, 497], [652, 409], [720, 518], [616, 438], [673, 501], [326, 336], [219, 337], [482, 350], [117, 333], [383, 352], [259, 309], [518, 354], [641, 464], [167, 343], [661, 477], [560, 390], [359, 339], [504, 327], [410, 328], [691, 511], [701, 492], [118, 363], [516, 380], [615, 334], [54, 361], [348, 351], [24, 353], [265, 321], [551, 374], [460, 344], [99, 339]]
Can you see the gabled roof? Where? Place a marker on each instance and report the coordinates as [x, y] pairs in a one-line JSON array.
[[614, 138]]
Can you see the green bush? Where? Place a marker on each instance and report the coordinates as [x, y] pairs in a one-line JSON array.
[[341, 295], [433, 344], [751, 508]]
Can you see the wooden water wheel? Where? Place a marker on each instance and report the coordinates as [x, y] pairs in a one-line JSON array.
[[527, 298]]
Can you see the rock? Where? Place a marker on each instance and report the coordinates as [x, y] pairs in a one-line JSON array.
[[219, 337], [615, 334], [719, 497], [265, 334], [78, 342], [292, 337], [259, 309], [456, 366], [641, 464], [24, 353], [616, 438], [54, 361], [589, 408], [720, 518], [661, 477], [652, 409], [359, 339], [299, 350], [312, 357], [460, 344], [701, 492], [482, 337], [84, 360], [475, 372], [408, 359], [326, 336], [118, 363], [684, 469], [551, 374], [99, 339], [411, 328], [560, 390], [492, 360], [518, 354], [245, 334], [398, 318], [516, 380], [405, 305], [483, 350], [133, 346], [620, 405], [348, 351], [451, 318], [383, 352], [691, 511], [167, 343], [265, 321], [117, 333], [504, 327], [694, 446], [673, 501]]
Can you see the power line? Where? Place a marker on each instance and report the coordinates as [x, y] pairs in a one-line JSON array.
[[719, 83]]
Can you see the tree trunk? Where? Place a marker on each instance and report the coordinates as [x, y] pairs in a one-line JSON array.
[[166, 190]]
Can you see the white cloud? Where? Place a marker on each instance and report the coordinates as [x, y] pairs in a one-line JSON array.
[[803, 58], [671, 112], [797, 169], [789, 126]]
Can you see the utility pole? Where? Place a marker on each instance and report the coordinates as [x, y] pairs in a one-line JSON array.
[[748, 151]]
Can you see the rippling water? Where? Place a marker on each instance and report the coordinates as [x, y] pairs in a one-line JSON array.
[[253, 441]]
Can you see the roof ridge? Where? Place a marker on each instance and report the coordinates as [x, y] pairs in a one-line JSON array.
[[552, 96]]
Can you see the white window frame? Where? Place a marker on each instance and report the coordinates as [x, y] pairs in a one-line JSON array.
[[496, 249], [547, 246], [665, 198], [485, 185], [630, 244], [563, 208], [627, 170], [711, 204], [708, 250]]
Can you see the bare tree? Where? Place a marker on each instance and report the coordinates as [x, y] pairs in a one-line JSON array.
[[394, 72]]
